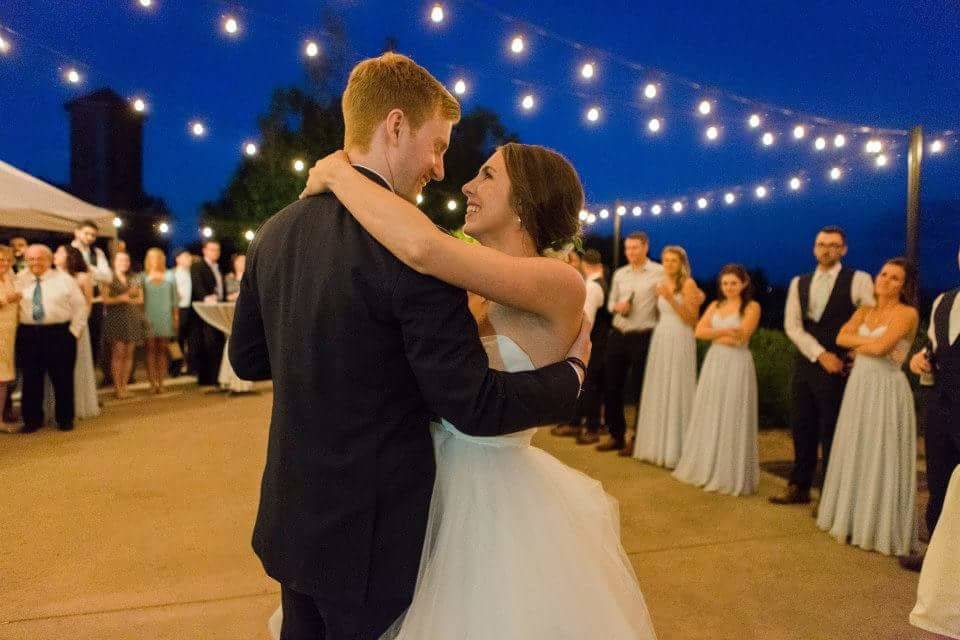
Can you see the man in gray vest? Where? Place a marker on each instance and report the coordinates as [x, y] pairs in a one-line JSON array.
[[938, 366], [818, 305]]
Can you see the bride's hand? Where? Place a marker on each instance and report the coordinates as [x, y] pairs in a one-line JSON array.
[[322, 173]]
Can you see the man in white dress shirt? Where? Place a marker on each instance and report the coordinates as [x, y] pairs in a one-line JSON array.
[[53, 313], [940, 360], [84, 237], [633, 303], [180, 276], [818, 305]]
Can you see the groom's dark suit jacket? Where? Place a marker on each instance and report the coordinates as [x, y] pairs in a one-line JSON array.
[[363, 351]]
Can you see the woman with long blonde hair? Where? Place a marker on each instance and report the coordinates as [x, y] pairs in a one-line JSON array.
[[162, 313]]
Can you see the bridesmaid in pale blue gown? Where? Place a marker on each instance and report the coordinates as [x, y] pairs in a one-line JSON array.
[[868, 496], [671, 374], [720, 445]]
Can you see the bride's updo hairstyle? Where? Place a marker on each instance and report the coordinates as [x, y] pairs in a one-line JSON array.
[[546, 193]]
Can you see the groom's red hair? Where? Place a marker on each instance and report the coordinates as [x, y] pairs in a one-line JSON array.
[[391, 81]]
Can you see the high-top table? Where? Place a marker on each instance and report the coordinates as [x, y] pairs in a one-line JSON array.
[[219, 315]]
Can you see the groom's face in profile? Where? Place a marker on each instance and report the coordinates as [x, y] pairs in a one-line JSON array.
[[420, 156]]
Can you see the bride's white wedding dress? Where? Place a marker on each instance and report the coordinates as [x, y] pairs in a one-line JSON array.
[[518, 545]]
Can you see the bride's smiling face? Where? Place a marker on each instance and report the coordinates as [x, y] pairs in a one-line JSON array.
[[488, 200]]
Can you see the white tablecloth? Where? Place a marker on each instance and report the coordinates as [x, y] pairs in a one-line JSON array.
[[938, 594], [219, 315]]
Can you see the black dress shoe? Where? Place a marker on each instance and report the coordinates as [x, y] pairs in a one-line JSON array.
[[29, 428], [588, 437], [610, 444], [565, 431], [68, 427], [793, 495], [912, 562]]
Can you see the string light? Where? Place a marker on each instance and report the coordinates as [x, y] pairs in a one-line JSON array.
[[621, 211], [836, 173], [4, 45], [767, 139], [754, 121], [650, 91], [729, 198], [312, 50], [712, 132], [936, 146], [795, 183], [591, 218], [584, 214], [760, 192], [677, 206], [704, 107], [250, 149], [230, 25], [117, 222], [249, 235], [820, 143], [527, 102], [839, 140], [139, 105], [517, 44], [452, 205], [656, 209], [419, 198], [436, 14], [299, 165], [799, 132], [72, 76], [873, 146], [593, 114], [637, 211], [702, 203], [587, 70], [197, 129], [881, 160], [163, 228], [460, 87], [604, 214], [206, 232], [654, 125], [146, 4]]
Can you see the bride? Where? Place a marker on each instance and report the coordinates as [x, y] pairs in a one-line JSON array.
[[518, 545]]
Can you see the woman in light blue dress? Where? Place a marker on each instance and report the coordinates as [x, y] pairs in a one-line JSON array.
[[671, 374], [720, 445], [868, 496], [160, 308]]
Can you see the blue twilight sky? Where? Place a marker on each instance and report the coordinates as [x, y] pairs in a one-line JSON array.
[[890, 64]]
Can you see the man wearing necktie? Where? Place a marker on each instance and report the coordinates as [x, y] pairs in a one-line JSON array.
[[53, 313], [84, 239], [818, 305], [206, 342]]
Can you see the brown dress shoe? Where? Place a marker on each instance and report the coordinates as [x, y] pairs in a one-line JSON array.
[[793, 495], [912, 562], [565, 431], [627, 451], [588, 437], [610, 444], [815, 511]]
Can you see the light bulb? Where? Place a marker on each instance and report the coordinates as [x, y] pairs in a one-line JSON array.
[[835, 173], [436, 14], [761, 192], [163, 227], [795, 184], [654, 125], [419, 198], [139, 105], [604, 214], [767, 139], [452, 205], [527, 102], [799, 132], [621, 210], [936, 146], [820, 144], [230, 25], [839, 140], [299, 165], [207, 232], [587, 70], [591, 218], [593, 114], [677, 206], [250, 149], [729, 198], [712, 133], [197, 129], [873, 146], [656, 209], [460, 87], [754, 121], [517, 45], [650, 91], [637, 211], [702, 203], [73, 76], [312, 50], [584, 214], [117, 222], [881, 160], [704, 107], [249, 235]]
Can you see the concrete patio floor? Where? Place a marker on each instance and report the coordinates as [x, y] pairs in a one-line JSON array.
[[137, 525]]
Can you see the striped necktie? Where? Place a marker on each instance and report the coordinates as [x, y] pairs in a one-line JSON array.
[[37, 303]]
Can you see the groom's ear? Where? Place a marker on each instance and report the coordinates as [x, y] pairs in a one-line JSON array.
[[394, 126]]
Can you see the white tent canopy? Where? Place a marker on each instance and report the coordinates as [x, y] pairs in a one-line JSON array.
[[29, 203]]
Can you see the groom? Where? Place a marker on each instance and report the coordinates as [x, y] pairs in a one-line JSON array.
[[363, 351]]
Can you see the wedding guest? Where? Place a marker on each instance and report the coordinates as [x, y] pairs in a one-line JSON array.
[[53, 313], [19, 246], [180, 276], [670, 381], [869, 491], [86, 404], [206, 342], [85, 237], [160, 306], [123, 322], [9, 313], [239, 263], [938, 364], [633, 303], [720, 445], [818, 304]]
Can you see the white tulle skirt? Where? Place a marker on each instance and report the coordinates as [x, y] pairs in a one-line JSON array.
[[519, 546]]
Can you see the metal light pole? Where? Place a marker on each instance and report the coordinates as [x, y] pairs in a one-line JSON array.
[[616, 239], [914, 162]]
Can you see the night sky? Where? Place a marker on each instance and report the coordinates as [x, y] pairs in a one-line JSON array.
[[888, 64]]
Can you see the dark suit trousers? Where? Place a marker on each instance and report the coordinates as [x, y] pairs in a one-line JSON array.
[[943, 453], [817, 396], [305, 618], [625, 351], [94, 325], [590, 404], [206, 351], [46, 350]]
